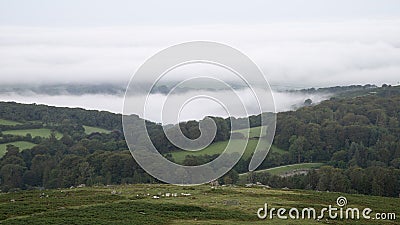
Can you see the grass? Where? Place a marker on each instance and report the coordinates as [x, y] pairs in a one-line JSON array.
[[276, 149], [89, 130], [215, 148], [42, 132], [8, 122], [133, 204], [218, 147], [253, 132], [20, 144], [280, 170], [287, 168]]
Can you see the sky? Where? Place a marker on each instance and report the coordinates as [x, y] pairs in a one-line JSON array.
[[296, 43], [174, 12]]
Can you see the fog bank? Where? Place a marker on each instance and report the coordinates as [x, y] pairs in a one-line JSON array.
[[284, 101]]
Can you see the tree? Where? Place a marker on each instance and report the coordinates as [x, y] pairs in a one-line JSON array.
[[308, 102], [358, 179], [12, 175], [41, 166], [67, 140], [297, 147], [231, 177], [12, 156], [324, 181], [339, 181]]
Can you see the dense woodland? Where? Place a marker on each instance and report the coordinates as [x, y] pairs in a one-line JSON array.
[[358, 139]]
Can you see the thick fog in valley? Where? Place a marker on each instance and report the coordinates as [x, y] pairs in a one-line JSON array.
[[198, 110]]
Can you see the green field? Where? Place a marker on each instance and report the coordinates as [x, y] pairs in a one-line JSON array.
[[287, 168], [89, 130], [215, 148], [20, 144], [8, 122], [253, 132], [42, 132], [134, 204], [218, 147]]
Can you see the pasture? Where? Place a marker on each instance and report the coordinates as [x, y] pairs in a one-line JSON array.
[[8, 122], [89, 130], [218, 147], [137, 204], [20, 144]]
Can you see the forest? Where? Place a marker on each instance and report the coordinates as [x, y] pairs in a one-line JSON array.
[[355, 137]]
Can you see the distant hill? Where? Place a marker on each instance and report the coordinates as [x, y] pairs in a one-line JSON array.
[[119, 89], [356, 137]]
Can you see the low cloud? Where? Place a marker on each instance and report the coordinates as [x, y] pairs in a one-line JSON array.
[[292, 54], [196, 110]]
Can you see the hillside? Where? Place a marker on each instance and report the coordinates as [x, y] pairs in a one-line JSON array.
[[286, 170], [153, 204], [355, 138], [14, 133], [218, 147]]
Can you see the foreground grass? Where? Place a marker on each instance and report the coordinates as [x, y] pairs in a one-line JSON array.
[[89, 130], [133, 204], [20, 144], [42, 132]]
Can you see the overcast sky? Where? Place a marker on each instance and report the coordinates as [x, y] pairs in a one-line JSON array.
[[296, 43], [173, 12]]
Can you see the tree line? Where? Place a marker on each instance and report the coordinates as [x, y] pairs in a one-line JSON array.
[[356, 137]]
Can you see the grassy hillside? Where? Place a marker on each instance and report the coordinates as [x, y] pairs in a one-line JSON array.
[[20, 144], [287, 168], [282, 170], [218, 147], [40, 132], [12, 129], [215, 148], [134, 204], [253, 132], [8, 122]]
